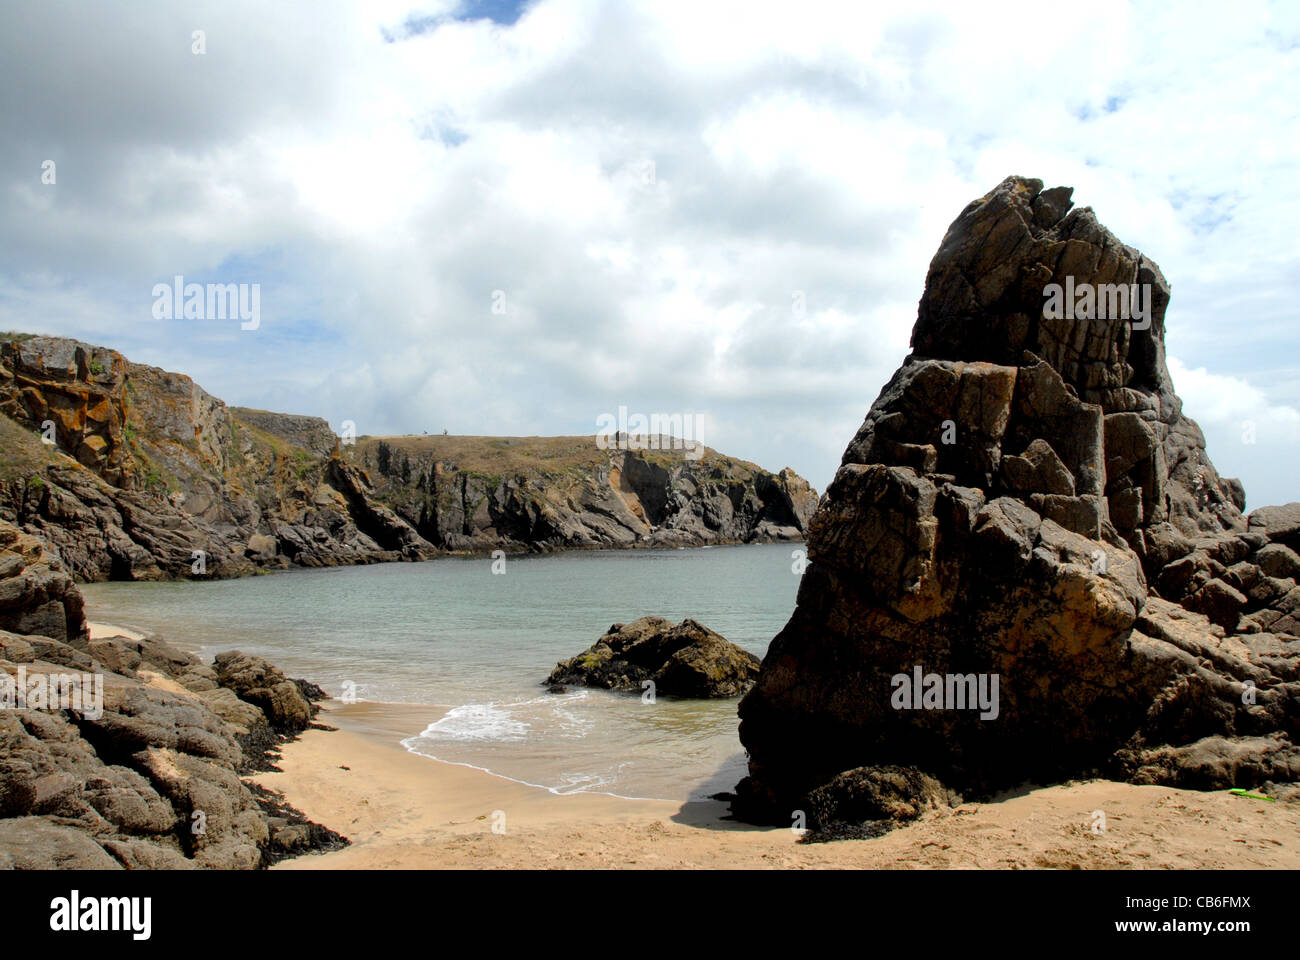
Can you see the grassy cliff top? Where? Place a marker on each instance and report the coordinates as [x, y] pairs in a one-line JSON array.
[[158, 412], [507, 455], [24, 454]]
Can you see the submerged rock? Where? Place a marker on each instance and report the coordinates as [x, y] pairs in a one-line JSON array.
[[1027, 512], [686, 660]]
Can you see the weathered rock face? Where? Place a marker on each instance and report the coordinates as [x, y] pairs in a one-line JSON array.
[[137, 763], [76, 389], [36, 594], [559, 493], [148, 473], [1026, 501], [178, 485], [686, 660]]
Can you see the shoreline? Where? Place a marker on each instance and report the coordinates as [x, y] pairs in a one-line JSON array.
[[407, 811], [513, 552], [99, 630], [404, 810]]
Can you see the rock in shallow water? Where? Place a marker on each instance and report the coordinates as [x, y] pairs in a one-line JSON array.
[[686, 660]]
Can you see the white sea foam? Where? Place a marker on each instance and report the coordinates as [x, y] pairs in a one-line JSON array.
[[477, 721], [569, 782]]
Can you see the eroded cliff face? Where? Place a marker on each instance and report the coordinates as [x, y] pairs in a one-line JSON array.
[[1026, 501], [477, 493], [151, 477], [148, 476], [76, 391]]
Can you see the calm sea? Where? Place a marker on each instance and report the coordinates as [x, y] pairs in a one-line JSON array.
[[473, 646]]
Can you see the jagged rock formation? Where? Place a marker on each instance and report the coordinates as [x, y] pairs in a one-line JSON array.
[[686, 660], [1026, 501], [138, 765], [145, 468], [150, 477]]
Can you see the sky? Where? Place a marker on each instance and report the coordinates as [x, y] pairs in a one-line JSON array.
[[513, 218]]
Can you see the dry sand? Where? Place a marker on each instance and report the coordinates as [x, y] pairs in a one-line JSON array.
[[405, 811], [102, 631]]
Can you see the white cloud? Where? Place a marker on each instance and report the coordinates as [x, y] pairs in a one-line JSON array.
[[1247, 434], [381, 191]]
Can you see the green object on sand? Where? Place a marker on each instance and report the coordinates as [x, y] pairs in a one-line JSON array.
[[1237, 791]]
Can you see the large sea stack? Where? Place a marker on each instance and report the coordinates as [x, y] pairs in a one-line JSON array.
[[1026, 504]]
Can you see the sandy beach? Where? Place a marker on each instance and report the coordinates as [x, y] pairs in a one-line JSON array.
[[100, 631], [405, 811]]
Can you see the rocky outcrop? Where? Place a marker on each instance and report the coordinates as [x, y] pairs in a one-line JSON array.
[[255, 681], [554, 493], [147, 476], [72, 392], [686, 660], [36, 594], [312, 434], [127, 753], [1027, 568]]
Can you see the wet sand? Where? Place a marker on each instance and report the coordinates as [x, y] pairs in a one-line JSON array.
[[406, 811]]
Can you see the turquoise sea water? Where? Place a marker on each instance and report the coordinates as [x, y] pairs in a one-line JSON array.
[[474, 646]]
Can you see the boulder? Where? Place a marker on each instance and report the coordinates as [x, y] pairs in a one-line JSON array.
[[869, 795], [1279, 560], [686, 660]]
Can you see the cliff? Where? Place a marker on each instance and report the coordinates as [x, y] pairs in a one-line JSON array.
[[133, 472], [479, 493]]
